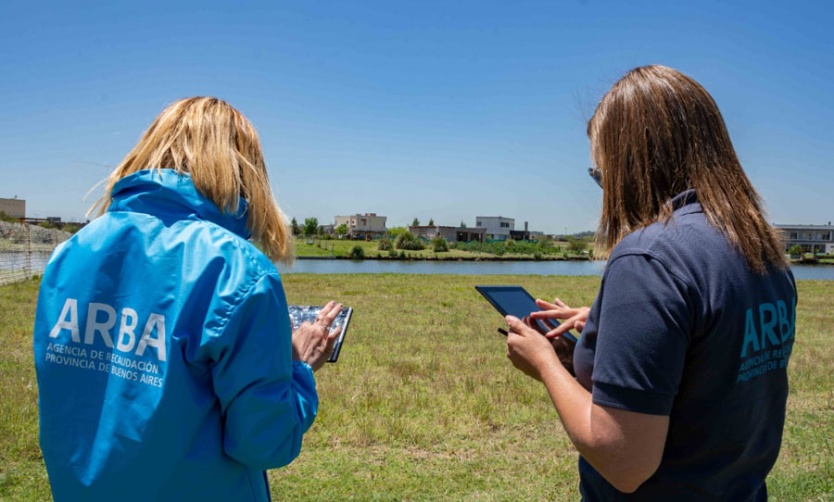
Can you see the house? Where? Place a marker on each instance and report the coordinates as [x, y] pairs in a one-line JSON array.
[[451, 234], [498, 228], [362, 226], [526, 234], [15, 208], [811, 238]]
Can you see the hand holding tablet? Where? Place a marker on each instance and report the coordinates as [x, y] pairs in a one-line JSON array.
[[516, 301], [309, 313]]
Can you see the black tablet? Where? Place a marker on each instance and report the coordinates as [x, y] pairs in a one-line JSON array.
[[516, 301], [301, 313]]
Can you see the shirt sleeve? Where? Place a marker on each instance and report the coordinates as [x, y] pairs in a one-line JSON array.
[[268, 401], [643, 333]]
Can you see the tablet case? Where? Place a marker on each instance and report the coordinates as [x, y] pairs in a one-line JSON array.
[[301, 313]]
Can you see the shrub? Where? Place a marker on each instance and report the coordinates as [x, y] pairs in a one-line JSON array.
[[357, 253], [439, 244], [409, 241], [395, 232], [385, 244]]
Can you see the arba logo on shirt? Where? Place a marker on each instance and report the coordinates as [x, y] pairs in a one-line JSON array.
[[776, 326], [101, 319]]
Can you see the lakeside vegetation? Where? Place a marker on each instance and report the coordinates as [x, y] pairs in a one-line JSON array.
[[578, 248], [423, 404], [439, 249]]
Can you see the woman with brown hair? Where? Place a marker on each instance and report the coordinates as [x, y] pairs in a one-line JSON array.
[[167, 367], [680, 380]]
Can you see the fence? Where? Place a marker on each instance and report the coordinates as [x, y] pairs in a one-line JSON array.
[[25, 249]]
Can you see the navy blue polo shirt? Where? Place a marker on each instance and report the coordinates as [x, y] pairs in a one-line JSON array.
[[682, 327]]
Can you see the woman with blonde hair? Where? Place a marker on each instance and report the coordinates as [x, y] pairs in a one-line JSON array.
[[680, 383], [167, 367]]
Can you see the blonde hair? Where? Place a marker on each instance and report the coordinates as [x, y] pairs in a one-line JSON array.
[[657, 133], [218, 147]]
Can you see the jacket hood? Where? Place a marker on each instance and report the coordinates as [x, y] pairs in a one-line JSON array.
[[172, 196]]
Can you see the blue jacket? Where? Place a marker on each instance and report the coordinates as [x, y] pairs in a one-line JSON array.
[[163, 354]]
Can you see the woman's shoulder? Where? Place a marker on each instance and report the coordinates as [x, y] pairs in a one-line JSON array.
[[218, 243]]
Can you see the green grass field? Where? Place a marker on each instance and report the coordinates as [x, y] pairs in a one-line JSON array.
[[423, 404]]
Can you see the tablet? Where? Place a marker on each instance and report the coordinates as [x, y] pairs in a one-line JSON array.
[[301, 313], [516, 301]]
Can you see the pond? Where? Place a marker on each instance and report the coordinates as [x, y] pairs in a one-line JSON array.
[[302, 266], [37, 261]]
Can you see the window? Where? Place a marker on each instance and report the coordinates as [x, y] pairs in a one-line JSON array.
[[478, 223], [504, 224]]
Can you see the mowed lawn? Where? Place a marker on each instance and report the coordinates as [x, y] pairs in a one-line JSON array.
[[423, 404]]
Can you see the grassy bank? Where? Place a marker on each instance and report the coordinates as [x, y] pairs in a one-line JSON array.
[[423, 404], [335, 248]]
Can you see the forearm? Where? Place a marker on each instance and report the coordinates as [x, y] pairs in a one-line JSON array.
[[624, 447], [572, 402]]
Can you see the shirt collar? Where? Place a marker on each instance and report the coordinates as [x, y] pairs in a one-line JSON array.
[[686, 202]]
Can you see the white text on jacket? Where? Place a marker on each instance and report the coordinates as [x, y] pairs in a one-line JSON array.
[[101, 319]]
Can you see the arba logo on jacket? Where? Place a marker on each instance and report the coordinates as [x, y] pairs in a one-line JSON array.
[[100, 322]]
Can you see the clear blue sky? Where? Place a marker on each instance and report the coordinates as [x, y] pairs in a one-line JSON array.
[[444, 110]]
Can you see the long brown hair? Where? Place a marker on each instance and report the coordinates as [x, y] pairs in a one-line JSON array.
[[214, 143], [657, 133]]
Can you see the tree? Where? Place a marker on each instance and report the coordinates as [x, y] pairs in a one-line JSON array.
[[341, 230], [415, 223], [296, 230], [431, 222], [462, 224], [311, 226]]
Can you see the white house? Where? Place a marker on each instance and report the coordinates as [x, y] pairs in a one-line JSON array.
[[362, 226], [811, 238], [497, 227]]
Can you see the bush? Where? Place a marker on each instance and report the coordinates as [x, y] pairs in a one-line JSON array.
[[385, 244], [395, 232], [439, 244], [576, 246], [409, 241], [357, 253]]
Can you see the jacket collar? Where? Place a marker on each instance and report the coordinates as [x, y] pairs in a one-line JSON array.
[[171, 195]]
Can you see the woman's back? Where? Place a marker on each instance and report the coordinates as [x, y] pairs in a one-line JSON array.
[[689, 330]]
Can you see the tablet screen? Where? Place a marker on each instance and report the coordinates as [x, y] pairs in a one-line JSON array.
[[516, 301], [301, 313]]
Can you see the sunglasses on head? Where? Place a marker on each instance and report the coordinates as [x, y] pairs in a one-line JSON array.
[[596, 174]]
